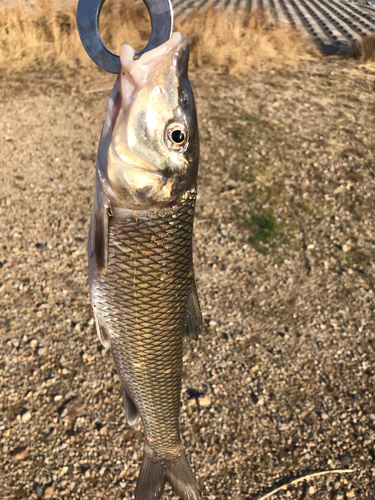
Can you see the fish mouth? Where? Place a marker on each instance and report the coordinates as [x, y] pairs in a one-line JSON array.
[[143, 68]]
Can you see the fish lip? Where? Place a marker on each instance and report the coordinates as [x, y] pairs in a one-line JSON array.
[[143, 68]]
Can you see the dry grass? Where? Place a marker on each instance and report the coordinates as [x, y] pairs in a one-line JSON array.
[[366, 48], [219, 40], [45, 34]]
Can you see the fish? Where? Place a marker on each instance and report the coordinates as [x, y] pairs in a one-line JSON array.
[[142, 284]]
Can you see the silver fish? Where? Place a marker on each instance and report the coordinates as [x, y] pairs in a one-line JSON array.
[[142, 284]]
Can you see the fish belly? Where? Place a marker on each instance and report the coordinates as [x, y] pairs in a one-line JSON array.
[[142, 304]]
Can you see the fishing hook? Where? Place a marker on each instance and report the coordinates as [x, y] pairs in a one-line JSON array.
[[88, 14]]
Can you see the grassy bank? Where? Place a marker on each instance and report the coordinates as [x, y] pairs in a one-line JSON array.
[[47, 34]]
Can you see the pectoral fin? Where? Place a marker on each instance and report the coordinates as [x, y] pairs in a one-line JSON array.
[[193, 316], [101, 237]]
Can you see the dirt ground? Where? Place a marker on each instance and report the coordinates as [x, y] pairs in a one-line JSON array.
[[281, 382]]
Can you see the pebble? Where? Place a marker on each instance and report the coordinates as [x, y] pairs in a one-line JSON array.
[[20, 453], [74, 408], [205, 401], [49, 492], [26, 416]]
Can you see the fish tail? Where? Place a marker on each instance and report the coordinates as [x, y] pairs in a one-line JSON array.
[[182, 479], [151, 480], [153, 475]]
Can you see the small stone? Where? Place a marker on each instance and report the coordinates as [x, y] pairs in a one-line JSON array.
[[87, 474], [103, 430], [350, 494], [58, 397], [38, 489], [206, 401], [310, 247], [311, 490], [19, 453], [64, 470], [26, 416], [49, 492], [345, 248], [261, 401], [42, 351], [74, 408]]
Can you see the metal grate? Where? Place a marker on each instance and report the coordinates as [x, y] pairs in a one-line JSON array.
[[335, 25]]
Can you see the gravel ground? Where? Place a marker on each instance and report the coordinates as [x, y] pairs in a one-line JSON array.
[[281, 382]]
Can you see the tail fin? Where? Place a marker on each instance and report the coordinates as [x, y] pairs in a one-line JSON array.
[[182, 479], [153, 475], [151, 480]]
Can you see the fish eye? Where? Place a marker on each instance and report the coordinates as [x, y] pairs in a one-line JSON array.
[[177, 136]]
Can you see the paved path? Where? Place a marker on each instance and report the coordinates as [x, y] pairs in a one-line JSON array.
[[334, 24]]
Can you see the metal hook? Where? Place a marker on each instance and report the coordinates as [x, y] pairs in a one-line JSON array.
[[88, 13]]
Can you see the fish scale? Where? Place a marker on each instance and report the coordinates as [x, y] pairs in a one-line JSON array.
[[143, 299]]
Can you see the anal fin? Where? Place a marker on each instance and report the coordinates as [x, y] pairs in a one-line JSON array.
[[193, 316]]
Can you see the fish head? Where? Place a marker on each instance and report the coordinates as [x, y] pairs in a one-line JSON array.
[[152, 149]]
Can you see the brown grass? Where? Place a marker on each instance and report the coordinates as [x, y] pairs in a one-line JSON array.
[[366, 48], [47, 35], [224, 41]]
